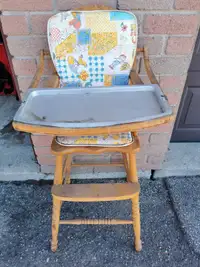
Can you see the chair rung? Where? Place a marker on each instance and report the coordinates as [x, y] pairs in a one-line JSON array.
[[96, 221], [98, 164]]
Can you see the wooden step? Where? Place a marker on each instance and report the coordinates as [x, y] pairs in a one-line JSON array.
[[95, 192]]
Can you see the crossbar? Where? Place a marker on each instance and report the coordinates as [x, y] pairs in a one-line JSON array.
[[119, 164], [96, 221]]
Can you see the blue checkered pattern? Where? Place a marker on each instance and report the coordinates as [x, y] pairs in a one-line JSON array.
[[62, 67], [96, 68]]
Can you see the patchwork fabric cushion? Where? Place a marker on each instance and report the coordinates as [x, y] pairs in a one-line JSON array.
[[122, 139], [93, 48]]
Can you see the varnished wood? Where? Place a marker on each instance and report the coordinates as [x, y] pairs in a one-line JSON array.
[[148, 68], [136, 222], [95, 192], [125, 161], [132, 168], [134, 78], [58, 178], [96, 221], [55, 223], [128, 127], [99, 164], [40, 69], [67, 168], [54, 82]]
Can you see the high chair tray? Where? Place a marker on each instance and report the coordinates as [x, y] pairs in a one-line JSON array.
[[92, 107]]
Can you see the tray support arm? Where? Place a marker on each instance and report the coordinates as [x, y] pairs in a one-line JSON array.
[[53, 82]]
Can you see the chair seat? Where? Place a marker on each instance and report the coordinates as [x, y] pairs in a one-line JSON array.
[[122, 139], [95, 192]]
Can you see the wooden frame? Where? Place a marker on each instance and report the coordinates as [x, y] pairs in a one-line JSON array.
[[62, 192], [104, 192]]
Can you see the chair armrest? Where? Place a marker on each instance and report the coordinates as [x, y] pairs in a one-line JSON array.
[[54, 82], [148, 68], [134, 78], [36, 79]]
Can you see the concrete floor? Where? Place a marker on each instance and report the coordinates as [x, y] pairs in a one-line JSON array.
[[8, 108], [25, 216], [182, 159]]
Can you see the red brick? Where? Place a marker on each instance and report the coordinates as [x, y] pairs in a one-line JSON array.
[[169, 65], [24, 83], [65, 5], [154, 44], [116, 157], [41, 140], [42, 150], [144, 138], [141, 158], [170, 24], [173, 97], [39, 23], [155, 148], [145, 5], [46, 160], [179, 45], [14, 25], [26, 46], [165, 128], [24, 66], [29, 5], [161, 138], [139, 17], [172, 82], [188, 4], [155, 161], [102, 158]]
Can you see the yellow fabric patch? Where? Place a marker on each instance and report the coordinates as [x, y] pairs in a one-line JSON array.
[[121, 139], [107, 80], [100, 22], [83, 75], [102, 43], [67, 46], [84, 141]]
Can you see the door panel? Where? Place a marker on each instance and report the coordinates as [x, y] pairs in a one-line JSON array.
[[187, 125]]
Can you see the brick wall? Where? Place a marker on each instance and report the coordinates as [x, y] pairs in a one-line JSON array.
[[167, 27]]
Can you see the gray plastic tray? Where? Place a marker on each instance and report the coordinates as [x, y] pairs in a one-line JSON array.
[[92, 107]]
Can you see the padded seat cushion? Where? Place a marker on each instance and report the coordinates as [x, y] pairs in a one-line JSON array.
[[93, 48], [122, 139]]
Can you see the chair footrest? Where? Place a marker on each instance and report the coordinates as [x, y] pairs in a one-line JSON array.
[[96, 221], [95, 192]]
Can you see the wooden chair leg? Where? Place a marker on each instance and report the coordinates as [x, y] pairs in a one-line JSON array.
[[136, 223], [125, 159], [58, 177], [132, 167], [67, 169], [55, 223]]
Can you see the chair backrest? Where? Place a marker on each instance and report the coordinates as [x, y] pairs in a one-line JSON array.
[[93, 48]]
